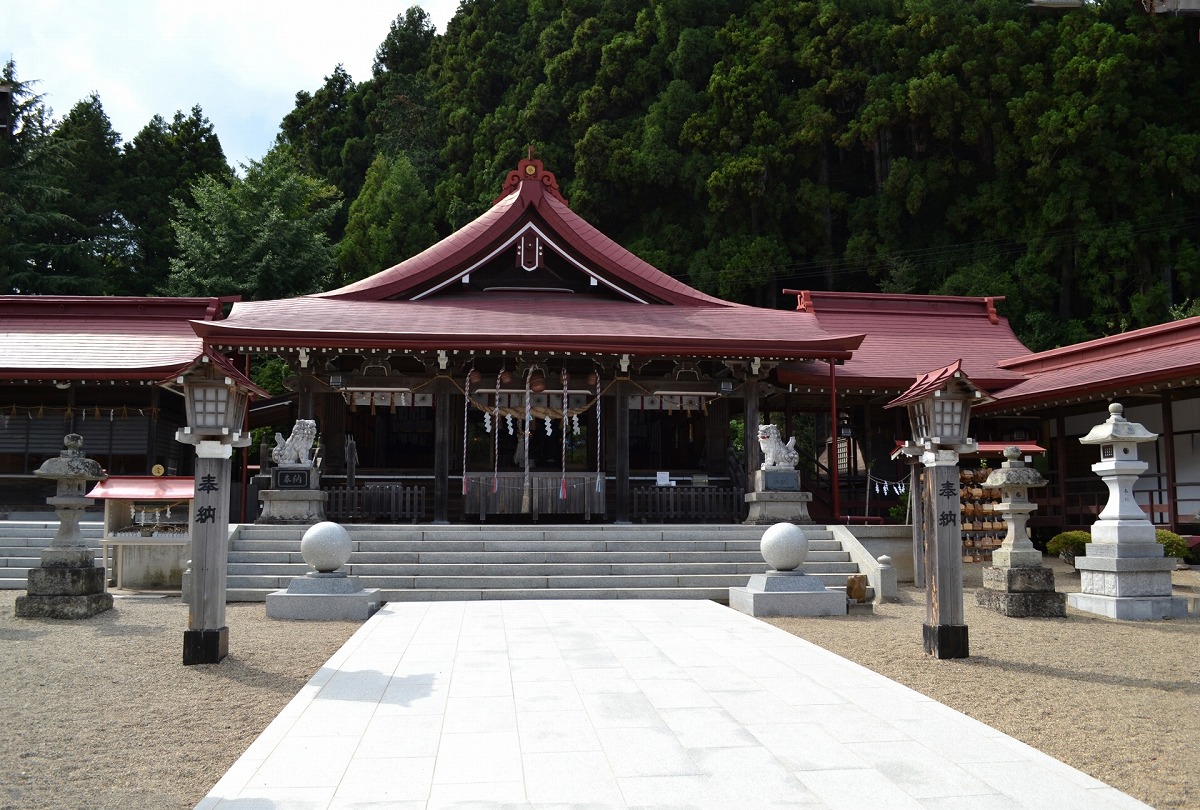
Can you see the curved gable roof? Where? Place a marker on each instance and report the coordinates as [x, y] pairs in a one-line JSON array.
[[531, 197]]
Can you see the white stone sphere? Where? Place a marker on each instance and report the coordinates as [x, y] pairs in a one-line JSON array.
[[326, 546], [784, 546]]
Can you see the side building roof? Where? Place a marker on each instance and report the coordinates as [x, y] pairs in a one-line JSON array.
[[907, 335], [1140, 361]]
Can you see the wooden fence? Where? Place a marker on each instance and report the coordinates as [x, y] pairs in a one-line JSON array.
[[376, 503], [504, 494], [689, 504]]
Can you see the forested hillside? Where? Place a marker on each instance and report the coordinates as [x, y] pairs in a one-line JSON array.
[[973, 147]]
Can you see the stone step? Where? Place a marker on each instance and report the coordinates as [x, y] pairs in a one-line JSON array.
[[240, 544], [504, 557], [720, 594]]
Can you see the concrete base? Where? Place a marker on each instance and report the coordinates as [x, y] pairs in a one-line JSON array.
[[84, 606], [1021, 592], [292, 506], [787, 593], [769, 508], [1130, 608], [324, 597], [64, 592], [1128, 581], [205, 646]]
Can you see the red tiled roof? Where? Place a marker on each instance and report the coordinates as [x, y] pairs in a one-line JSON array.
[[640, 310], [86, 337], [1105, 367], [545, 322], [906, 335], [535, 198]]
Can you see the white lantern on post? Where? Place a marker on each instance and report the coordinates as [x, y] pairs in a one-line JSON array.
[[216, 402], [939, 409]]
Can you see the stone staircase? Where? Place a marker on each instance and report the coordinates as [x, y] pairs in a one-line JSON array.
[[22, 541], [422, 563]]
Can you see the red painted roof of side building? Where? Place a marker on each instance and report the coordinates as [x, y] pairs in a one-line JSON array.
[[94, 337], [65, 337], [1105, 367], [907, 336]]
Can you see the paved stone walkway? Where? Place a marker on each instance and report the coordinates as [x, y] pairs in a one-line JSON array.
[[638, 703]]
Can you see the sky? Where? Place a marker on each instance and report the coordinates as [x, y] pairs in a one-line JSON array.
[[242, 61]]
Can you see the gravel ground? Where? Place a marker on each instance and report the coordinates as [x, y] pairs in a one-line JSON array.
[[101, 713]]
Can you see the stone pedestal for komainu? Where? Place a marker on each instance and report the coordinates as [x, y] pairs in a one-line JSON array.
[[1017, 584], [785, 590], [295, 496], [324, 594], [1124, 574], [777, 496], [68, 584]]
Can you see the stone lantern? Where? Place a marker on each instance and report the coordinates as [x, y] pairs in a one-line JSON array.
[[1124, 574], [68, 584], [939, 410], [1017, 584], [216, 408]]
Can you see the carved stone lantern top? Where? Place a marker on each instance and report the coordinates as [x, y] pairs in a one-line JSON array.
[[1014, 473], [71, 463], [1118, 430]]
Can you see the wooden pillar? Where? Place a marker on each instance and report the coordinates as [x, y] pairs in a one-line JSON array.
[[834, 466], [152, 430], [206, 641], [916, 501], [945, 630], [332, 409], [307, 409], [716, 436], [1060, 462], [753, 452], [441, 455], [1168, 420], [621, 442]]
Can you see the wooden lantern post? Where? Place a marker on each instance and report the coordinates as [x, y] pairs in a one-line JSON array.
[[939, 409], [216, 408]]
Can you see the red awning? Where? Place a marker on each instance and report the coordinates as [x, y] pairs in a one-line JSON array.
[[145, 487]]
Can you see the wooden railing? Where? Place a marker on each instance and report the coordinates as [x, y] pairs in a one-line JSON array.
[[376, 503], [504, 494], [688, 504]]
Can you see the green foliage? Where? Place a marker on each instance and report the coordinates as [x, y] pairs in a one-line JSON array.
[[899, 511], [160, 163], [262, 236], [1173, 545], [269, 374], [388, 222], [31, 195], [1069, 545], [962, 147]]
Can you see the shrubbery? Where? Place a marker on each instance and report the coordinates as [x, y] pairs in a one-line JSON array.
[[1069, 545]]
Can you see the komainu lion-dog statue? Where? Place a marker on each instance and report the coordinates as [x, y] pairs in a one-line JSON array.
[[775, 452]]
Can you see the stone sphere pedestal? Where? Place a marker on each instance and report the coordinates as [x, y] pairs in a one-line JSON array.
[[325, 594], [785, 590]]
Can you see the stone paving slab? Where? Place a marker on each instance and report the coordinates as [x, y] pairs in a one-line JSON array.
[[624, 703]]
